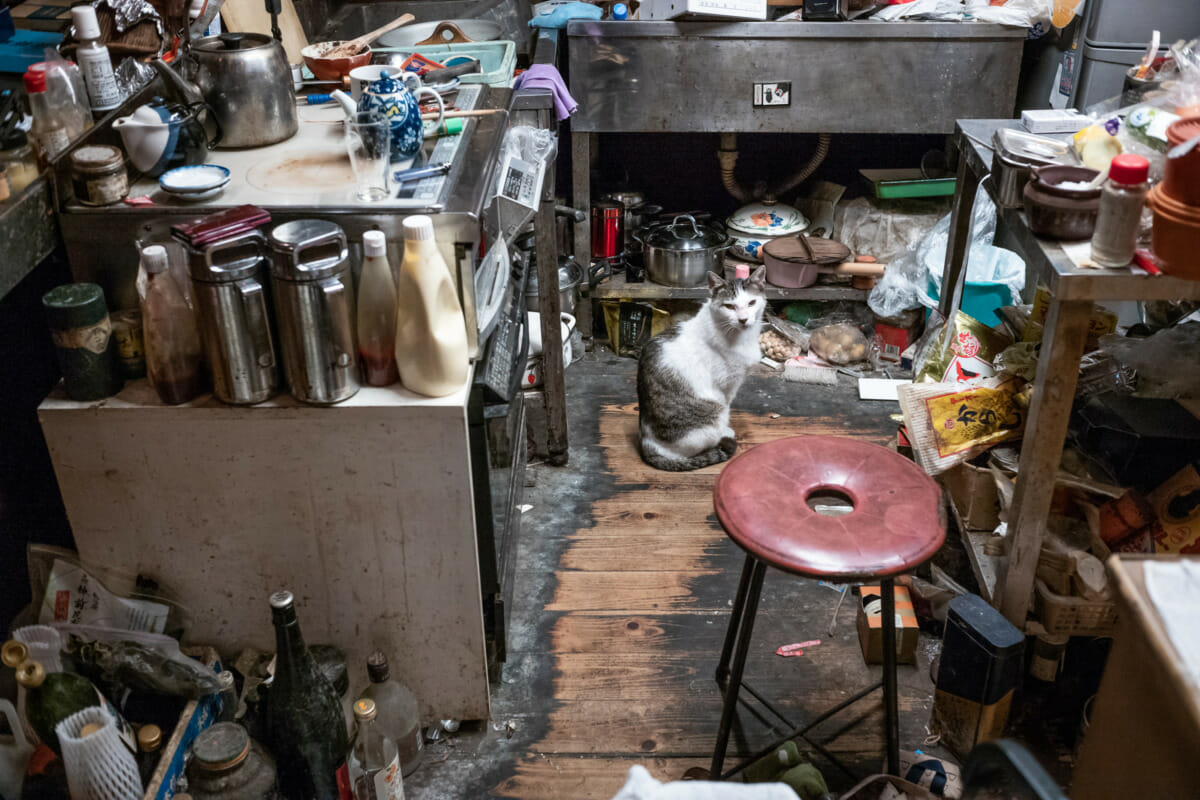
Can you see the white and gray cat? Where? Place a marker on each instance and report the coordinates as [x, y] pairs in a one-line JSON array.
[[688, 376]]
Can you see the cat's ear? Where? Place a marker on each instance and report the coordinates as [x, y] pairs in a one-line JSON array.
[[758, 279], [715, 282]]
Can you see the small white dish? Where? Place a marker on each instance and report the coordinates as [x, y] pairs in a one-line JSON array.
[[195, 197], [196, 179]]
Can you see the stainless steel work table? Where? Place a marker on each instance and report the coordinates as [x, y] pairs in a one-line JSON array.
[[1073, 290], [846, 77]]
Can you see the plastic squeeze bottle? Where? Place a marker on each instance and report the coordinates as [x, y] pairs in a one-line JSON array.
[[431, 335], [173, 355], [377, 313], [94, 60]]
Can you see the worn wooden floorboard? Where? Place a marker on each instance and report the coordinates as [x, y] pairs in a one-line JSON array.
[[631, 632]]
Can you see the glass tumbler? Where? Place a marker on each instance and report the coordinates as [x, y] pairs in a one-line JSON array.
[[368, 141]]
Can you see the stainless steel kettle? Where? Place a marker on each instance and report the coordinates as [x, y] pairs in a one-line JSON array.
[[314, 304], [246, 79]]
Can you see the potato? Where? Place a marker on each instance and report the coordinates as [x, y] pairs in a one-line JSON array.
[[839, 344], [777, 347]]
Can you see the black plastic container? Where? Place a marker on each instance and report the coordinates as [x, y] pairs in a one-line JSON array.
[[979, 669]]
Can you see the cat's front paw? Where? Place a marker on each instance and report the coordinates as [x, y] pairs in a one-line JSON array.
[[727, 445]]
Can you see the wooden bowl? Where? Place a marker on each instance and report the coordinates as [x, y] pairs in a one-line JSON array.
[[332, 69]]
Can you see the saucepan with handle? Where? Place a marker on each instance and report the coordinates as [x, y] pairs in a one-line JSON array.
[[682, 252]]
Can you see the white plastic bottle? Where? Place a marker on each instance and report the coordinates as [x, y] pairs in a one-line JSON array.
[[431, 335], [94, 60], [377, 313]]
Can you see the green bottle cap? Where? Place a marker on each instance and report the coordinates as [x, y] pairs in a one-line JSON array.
[[74, 305]]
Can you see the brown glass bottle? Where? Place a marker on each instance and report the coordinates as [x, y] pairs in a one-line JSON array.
[[306, 729]]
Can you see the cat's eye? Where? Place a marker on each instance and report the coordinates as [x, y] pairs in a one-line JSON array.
[[730, 306], [752, 302]]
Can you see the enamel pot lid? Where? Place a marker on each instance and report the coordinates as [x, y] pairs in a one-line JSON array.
[[767, 218]]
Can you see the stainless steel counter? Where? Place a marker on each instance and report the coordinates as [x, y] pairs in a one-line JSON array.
[[306, 176], [28, 232], [846, 77]]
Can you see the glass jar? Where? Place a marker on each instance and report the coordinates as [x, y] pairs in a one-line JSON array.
[[228, 765], [17, 154], [98, 175]]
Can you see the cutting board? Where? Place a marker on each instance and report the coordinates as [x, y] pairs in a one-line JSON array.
[[250, 16]]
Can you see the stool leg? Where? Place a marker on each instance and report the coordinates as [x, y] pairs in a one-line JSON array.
[[745, 628], [891, 712], [735, 621]]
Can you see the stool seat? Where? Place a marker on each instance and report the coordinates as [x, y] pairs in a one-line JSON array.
[[898, 519]]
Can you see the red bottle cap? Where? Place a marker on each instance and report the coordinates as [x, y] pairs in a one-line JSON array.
[[35, 81], [1128, 168]]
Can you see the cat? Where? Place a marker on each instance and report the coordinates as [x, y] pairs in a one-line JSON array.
[[688, 376]]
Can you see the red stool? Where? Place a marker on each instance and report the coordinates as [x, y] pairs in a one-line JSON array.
[[762, 499]]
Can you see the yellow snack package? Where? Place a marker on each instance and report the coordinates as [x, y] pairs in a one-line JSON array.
[[948, 423]]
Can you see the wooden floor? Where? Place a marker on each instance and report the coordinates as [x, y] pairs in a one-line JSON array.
[[640, 609], [622, 596]]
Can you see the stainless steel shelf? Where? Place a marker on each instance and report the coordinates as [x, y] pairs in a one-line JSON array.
[[28, 232], [617, 287], [1066, 281]]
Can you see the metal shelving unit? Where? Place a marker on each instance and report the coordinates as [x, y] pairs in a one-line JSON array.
[[1074, 292]]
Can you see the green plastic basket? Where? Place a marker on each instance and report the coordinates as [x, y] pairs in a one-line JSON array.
[[497, 60]]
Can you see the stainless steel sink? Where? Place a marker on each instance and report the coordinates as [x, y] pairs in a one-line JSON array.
[[348, 20]]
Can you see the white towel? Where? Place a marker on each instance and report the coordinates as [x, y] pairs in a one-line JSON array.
[[640, 786]]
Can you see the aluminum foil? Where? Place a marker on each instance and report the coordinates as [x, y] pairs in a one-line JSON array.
[[132, 75], [130, 12]]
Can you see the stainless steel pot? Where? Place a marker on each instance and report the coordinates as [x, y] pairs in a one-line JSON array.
[[682, 252], [570, 275], [246, 79]]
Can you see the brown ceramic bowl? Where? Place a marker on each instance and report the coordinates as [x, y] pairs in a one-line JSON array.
[[1175, 234], [332, 69], [1057, 212], [1181, 176]]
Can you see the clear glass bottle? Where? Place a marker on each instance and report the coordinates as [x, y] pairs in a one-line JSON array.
[[50, 132], [398, 713], [431, 335], [374, 763], [174, 359], [306, 728], [377, 313], [94, 60], [1119, 218], [17, 154], [65, 86], [229, 697]]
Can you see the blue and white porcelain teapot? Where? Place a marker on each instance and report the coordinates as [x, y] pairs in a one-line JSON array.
[[392, 98]]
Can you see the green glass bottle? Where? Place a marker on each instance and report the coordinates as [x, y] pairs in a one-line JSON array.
[[305, 724], [52, 697]]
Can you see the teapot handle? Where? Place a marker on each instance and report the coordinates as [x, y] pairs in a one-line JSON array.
[[212, 114]]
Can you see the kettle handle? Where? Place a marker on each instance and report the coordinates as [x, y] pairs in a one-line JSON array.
[[212, 114], [339, 309]]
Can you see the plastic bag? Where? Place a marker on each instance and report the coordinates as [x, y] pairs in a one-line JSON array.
[[781, 339], [1167, 363], [949, 423], [886, 230], [142, 661], [1037, 16], [963, 353], [841, 343], [986, 263], [630, 325], [941, 10]]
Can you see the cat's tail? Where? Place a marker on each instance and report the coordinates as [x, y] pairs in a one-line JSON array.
[[714, 455]]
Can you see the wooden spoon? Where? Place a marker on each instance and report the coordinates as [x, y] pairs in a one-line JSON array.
[[353, 46]]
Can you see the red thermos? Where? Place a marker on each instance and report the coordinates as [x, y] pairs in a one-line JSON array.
[[608, 235]]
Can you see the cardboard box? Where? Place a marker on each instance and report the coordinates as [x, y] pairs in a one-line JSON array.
[[733, 9], [197, 715], [973, 492], [1176, 504], [870, 630]]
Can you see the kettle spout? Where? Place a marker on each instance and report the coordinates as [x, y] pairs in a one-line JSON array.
[[346, 102], [186, 90]]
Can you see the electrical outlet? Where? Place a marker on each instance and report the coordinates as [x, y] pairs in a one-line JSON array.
[[772, 94]]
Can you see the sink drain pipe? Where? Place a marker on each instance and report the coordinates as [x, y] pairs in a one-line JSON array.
[[727, 156]]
